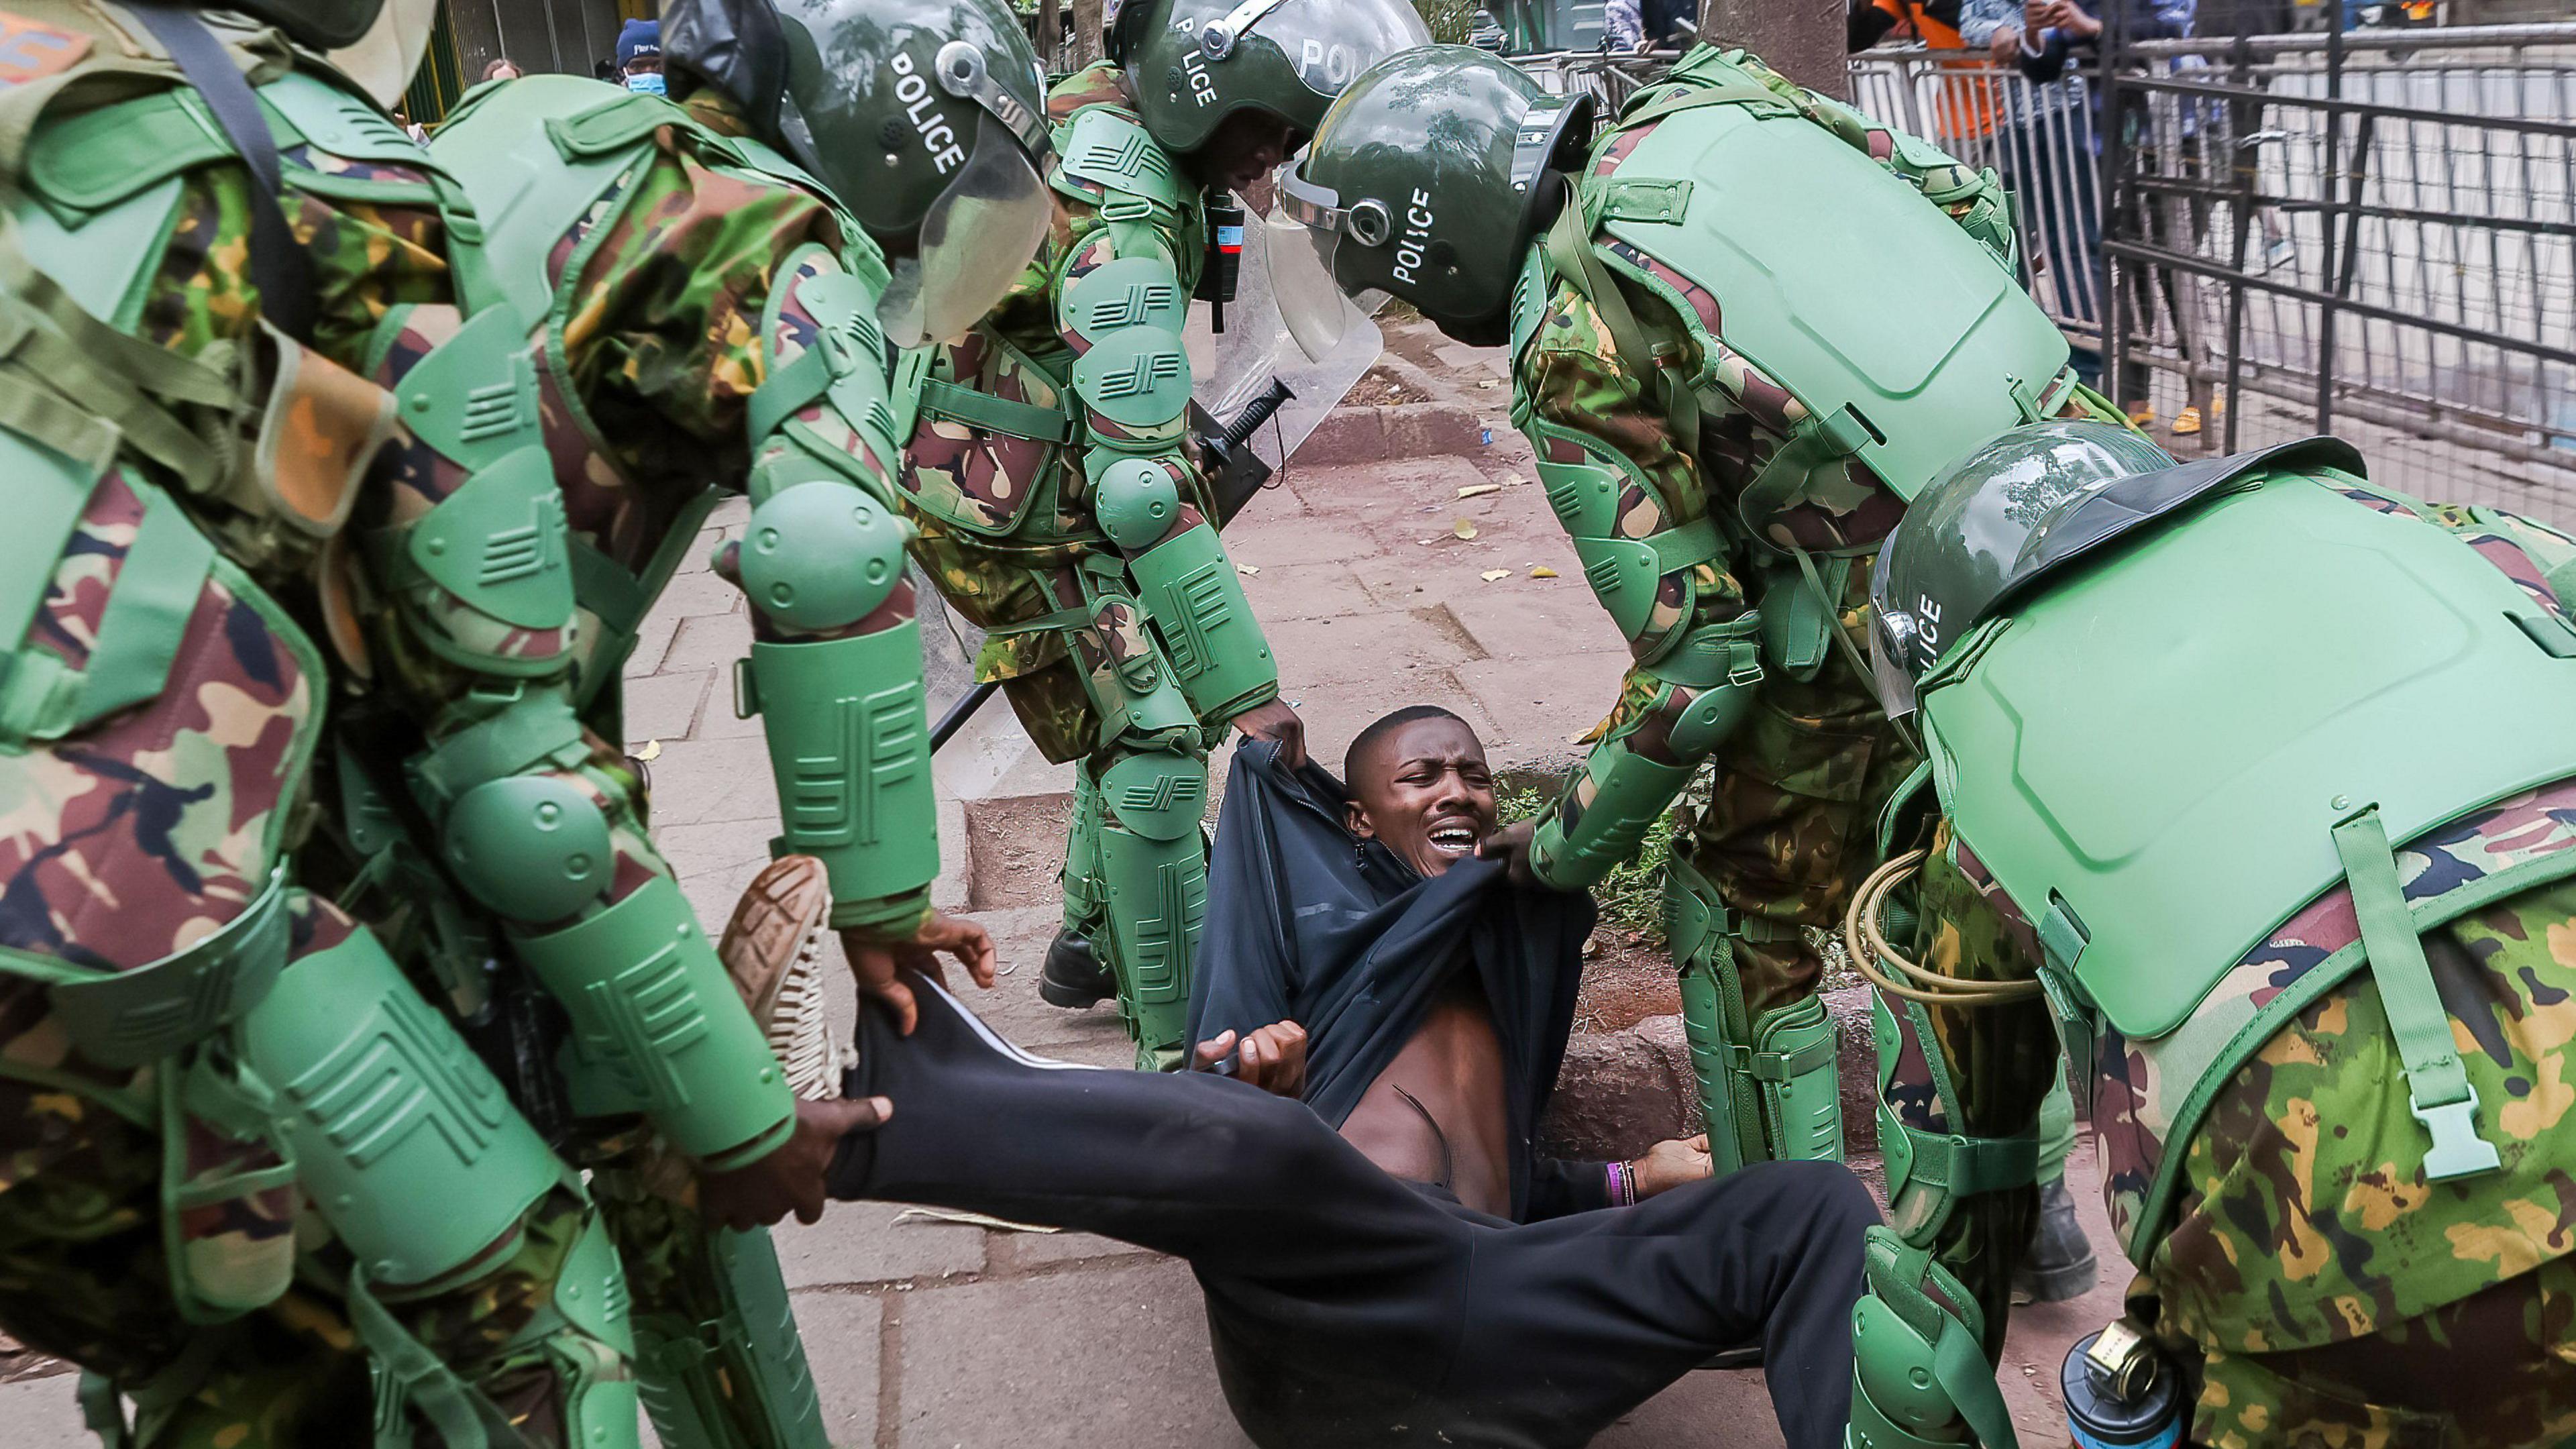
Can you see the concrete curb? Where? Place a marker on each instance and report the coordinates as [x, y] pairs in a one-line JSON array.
[[1354, 435]]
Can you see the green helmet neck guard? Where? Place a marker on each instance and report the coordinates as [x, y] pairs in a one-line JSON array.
[[1192, 63], [1429, 179], [2032, 503]]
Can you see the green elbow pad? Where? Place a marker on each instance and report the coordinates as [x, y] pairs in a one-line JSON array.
[[1190, 589], [410, 1148], [849, 743], [657, 1028]]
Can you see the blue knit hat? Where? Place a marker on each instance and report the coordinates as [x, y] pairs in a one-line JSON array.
[[639, 37]]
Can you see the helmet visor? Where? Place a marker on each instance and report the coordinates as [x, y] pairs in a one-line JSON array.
[[978, 237], [382, 60], [1304, 233]]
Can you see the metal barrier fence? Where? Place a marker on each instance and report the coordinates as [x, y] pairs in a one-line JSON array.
[[2365, 233]]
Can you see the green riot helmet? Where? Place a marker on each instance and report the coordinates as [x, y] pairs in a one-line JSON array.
[[1192, 63], [2030, 502], [1429, 179], [926, 118]]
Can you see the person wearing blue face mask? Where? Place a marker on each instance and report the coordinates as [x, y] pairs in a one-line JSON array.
[[639, 57]]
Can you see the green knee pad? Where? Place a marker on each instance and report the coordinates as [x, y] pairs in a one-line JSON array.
[[1768, 1088], [724, 1368], [1155, 864], [409, 1147], [1919, 1380]]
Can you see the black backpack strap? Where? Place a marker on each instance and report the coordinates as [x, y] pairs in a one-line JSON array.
[[278, 264]]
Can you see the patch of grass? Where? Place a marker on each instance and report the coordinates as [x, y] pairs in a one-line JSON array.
[[1631, 897]]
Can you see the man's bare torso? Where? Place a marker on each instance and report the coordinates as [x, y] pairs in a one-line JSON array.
[[1436, 1113]]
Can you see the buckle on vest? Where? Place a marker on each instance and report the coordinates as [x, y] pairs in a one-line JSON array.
[[2457, 1150]]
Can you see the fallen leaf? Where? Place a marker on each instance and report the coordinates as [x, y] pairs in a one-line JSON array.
[[1542, 572], [1513, 480], [1246, 569], [1490, 575], [1422, 540], [1487, 382], [1463, 529], [1479, 490], [652, 750]]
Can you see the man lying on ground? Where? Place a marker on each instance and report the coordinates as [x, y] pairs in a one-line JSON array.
[[1350, 1304], [1423, 1021]]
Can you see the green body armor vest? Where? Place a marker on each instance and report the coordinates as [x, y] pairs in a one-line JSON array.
[[1790, 230], [2165, 753]]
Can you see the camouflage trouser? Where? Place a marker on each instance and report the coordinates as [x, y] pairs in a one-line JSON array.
[[83, 1277], [2495, 1368]]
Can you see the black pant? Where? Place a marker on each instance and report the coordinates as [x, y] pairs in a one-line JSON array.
[[1346, 1307]]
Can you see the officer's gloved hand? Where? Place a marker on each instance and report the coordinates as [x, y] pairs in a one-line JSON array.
[[791, 1178]]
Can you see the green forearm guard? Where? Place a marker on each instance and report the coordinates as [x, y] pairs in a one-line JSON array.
[[849, 743], [408, 1146], [1622, 793], [1191, 591], [658, 1029], [1919, 1381]]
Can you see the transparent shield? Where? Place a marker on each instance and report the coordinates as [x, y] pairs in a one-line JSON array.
[[979, 236], [1301, 278], [382, 60], [1257, 349], [1331, 41]]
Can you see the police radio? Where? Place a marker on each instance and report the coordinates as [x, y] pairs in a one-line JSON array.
[[1223, 266]]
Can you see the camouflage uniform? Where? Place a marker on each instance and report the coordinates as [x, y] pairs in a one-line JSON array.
[[1784, 829], [1035, 551], [136, 833], [2317, 1286]]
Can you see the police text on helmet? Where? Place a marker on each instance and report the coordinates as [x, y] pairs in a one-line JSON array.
[[1417, 234], [937, 136]]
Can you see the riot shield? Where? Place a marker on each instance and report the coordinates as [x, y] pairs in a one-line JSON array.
[[1256, 350]]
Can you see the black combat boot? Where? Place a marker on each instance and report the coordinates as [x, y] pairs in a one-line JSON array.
[[1073, 976], [2059, 1263]]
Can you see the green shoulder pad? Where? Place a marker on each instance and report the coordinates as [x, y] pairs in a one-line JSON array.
[[1138, 378], [1128, 292], [1529, 299], [1117, 154], [474, 397], [340, 122], [1620, 571], [500, 543]]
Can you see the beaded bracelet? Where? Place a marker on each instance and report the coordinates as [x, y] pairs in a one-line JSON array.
[[1623, 1183]]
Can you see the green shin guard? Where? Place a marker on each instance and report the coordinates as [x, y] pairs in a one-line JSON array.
[[1154, 862], [720, 1365], [1085, 893], [657, 1028], [1769, 1089], [407, 1144], [1919, 1380]]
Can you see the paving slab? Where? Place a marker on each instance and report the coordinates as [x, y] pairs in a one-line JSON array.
[[665, 706], [1549, 702], [1109, 1355], [44, 1414], [860, 1244]]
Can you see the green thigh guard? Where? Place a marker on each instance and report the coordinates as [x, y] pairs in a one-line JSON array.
[[1153, 863], [1768, 1086]]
